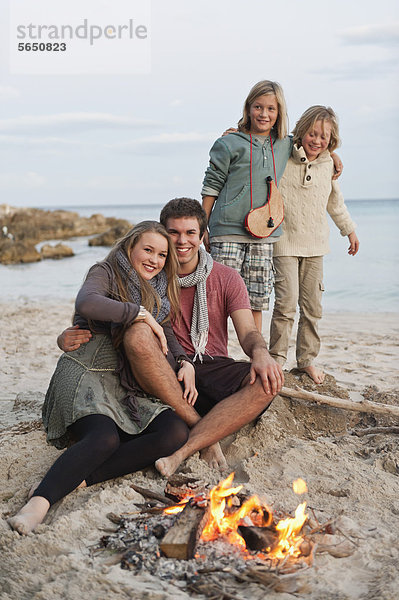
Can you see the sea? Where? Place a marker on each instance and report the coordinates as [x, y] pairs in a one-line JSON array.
[[367, 282]]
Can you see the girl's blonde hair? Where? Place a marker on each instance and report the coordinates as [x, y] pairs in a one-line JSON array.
[[308, 119], [149, 296], [265, 88]]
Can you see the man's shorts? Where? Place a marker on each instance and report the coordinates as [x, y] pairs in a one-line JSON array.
[[254, 262], [216, 378]]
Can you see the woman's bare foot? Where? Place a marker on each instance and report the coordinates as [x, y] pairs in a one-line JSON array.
[[30, 516], [214, 456], [316, 374]]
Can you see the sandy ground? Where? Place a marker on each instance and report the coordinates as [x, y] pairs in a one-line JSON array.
[[357, 476]]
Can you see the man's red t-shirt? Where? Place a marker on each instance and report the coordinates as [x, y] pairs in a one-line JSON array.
[[225, 293]]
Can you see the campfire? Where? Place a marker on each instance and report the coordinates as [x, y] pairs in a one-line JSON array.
[[248, 525], [204, 538]]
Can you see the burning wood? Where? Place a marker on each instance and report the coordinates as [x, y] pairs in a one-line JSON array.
[[259, 538], [151, 494], [180, 487], [181, 539]]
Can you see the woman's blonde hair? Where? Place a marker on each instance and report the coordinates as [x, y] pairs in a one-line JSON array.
[[265, 88], [149, 296], [308, 119]]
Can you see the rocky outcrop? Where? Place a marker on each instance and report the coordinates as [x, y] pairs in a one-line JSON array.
[[28, 226], [56, 252], [12, 252], [109, 237], [38, 225]]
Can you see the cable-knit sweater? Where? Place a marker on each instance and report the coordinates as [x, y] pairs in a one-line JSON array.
[[309, 193]]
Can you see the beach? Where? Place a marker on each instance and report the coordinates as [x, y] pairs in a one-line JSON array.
[[353, 478]]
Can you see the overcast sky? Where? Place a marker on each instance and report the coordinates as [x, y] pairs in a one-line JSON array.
[[120, 139]]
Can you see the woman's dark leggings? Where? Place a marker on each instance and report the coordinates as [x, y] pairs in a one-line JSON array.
[[103, 451]]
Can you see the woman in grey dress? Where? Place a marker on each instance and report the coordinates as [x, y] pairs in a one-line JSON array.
[[93, 405]]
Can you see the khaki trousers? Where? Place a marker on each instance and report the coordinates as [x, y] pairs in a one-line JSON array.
[[299, 281]]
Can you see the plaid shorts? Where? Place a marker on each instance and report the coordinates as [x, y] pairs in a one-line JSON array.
[[254, 262]]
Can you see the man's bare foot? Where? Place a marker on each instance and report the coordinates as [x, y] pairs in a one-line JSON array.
[[168, 464], [316, 374], [37, 483], [30, 515], [214, 456]]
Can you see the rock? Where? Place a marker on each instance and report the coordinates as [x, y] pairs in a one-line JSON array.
[[388, 464], [6, 210], [109, 237], [39, 225], [33, 225], [13, 252], [335, 545], [56, 252]]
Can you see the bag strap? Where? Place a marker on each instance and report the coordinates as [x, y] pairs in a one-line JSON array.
[[250, 167]]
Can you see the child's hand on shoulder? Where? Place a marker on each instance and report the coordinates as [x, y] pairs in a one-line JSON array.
[[354, 243], [338, 165], [229, 130]]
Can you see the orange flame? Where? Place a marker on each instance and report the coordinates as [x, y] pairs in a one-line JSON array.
[[175, 509], [289, 538], [224, 520], [299, 486]]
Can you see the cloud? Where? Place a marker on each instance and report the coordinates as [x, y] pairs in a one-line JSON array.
[[150, 143], [116, 183], [359, 70], [141, 144], [108, 182], [71, 122], [384, 35], [165, 139], [22, 141], [23, 181], [7, 92]]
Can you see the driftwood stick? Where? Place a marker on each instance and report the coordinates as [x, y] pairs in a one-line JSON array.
[[373, 430], [154, 495], [364, 406], [347, 537], [323, 525]]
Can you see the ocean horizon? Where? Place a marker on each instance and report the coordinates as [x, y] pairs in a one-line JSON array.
[[367, 282]]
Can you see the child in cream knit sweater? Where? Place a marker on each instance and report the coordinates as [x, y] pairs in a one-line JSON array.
[[309, 193]]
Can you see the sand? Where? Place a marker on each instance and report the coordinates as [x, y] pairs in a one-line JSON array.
[[357, 476]]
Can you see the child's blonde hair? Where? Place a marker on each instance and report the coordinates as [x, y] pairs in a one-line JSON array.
[[308, 119], [265, 88]]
